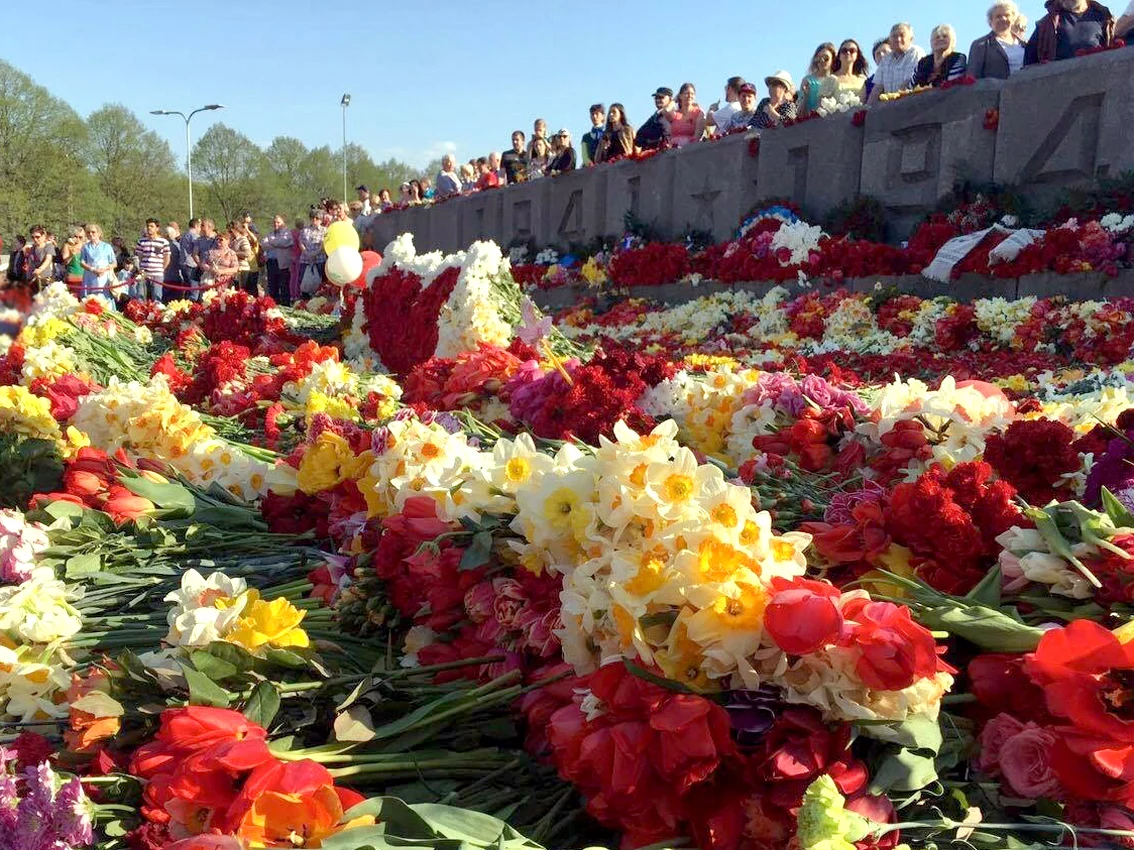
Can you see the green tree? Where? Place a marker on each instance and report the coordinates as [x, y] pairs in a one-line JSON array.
[[134, 168], [232, 167]]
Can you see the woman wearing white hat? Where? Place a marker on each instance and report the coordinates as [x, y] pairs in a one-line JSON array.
[[779, 105]]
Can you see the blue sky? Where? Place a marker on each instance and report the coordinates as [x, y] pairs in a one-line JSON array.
[[427, 76]]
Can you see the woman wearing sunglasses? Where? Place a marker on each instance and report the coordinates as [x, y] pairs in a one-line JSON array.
[[851, 68]]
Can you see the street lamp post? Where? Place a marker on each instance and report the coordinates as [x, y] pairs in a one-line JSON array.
[[188, 141], [344, 103]]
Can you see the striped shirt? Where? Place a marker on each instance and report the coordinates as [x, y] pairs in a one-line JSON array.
[[895, 72], [151, 255]]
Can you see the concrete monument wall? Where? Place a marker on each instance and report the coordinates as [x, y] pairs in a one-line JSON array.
[[1046, 129]]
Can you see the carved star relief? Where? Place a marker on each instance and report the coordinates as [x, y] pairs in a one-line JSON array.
[[706, 199]]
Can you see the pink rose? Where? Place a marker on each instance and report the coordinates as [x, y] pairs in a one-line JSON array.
[[993, 736], [479, 601], [510, 601], [1024, 761]]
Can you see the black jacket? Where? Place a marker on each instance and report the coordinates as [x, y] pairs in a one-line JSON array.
[[652, 134], [987, 59]]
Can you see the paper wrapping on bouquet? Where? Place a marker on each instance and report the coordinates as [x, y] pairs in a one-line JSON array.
[[955, 250], [1010, 248]]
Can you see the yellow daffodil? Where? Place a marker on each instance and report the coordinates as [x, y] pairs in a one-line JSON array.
[[274, 624]]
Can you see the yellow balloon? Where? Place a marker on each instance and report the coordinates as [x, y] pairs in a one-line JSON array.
[[341, 234]]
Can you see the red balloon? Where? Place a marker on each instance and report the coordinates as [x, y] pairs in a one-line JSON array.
[[370, 260]]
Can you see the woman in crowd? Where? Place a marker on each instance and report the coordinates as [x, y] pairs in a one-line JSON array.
[[278, 244], [123, 259], [849, 73], [312, 255], [944, 64], [1020, 28], [221, 266], [618, 137], [1000, 53], [687, 118], [405, 195], [98, 261], [562, 154], [779, 105], [540, 158], [243, 250], [880, 51], [72, 263], [817, 82], [417, 193]]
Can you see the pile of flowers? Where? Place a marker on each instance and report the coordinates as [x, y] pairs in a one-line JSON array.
[[757, 571]]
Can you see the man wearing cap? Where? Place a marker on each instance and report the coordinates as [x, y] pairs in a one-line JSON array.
[[744, 117], [448, 180], [364, 199], [779, 105], [655, 132]]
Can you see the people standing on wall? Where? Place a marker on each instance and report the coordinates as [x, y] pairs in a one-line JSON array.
[[618, 138], [720, 115], [654, 132], [384, 202], [468, 177], [1000, 53], [515, 161], [687, 118], [895, 72], [745, 117], [944, 64], [364, 199], [1069, 27], [562, 154], [488, 178], [593, 136], [448, 180], [778, 106], [539, 158], [539, 131], [849, 72], [880, 51], [817, 83]]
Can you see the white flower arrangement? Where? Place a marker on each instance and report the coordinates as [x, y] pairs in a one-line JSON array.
[[842, 101]]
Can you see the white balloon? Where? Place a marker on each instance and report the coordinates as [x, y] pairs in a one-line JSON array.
[[344, 265]]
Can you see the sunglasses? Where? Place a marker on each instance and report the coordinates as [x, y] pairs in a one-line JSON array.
[[848, 50]]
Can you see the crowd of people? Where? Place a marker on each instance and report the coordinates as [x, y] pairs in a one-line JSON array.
[[165, 263], [895, 64], [287, 262]]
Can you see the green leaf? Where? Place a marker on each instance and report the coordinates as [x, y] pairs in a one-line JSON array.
[[237, 656], [168, 496], [917, 733], [987, 592], [904, 771], [465, 825], [354, 725], [1118, 512], [83, 565], [285, 658], [263, 704], [660, 681], [215, 668], [64, 510], [479, 552], [400, 819], [203, 690]]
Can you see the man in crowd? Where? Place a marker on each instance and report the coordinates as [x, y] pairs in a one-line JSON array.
[[719, 116], [593, 136], [895, 72], [515, 161], [173, 270], [1068, 27], [364, 199], [40, 263], [247, 219], [279, 244], [154, 258], [486, 177], [448, 180], [204, 243], [655, 131], [190, 274], [495, 167]]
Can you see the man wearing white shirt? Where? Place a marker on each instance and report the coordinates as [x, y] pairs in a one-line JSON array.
[[364, 199], [720, 115], [896, 70]]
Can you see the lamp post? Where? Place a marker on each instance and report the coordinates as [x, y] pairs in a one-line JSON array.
[[344, 103], [188, 142]]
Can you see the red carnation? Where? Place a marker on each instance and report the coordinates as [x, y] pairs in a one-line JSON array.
[[1034, 455]]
